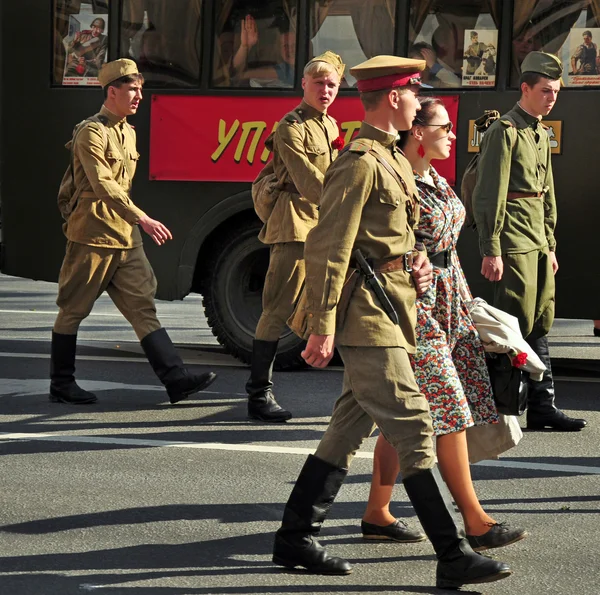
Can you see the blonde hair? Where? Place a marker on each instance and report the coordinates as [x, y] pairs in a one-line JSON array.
[[319, 68]]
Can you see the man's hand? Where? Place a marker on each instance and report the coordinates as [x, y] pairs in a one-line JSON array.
[[554, 262], [155, 229], [422, 273], [492, 268], [428, 56], [249, 32], [319, 350]]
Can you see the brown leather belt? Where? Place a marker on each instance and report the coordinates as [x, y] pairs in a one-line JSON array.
[[289, 187], [402, 263], [515, 195]]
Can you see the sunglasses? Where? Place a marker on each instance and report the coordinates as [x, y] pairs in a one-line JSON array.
[[447, 127]]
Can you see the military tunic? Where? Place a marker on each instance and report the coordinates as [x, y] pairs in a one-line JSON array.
[[104, 249], [302, 152], [521, 230], [364, 206]]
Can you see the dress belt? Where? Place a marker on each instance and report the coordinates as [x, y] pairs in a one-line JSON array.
[[515, 195], [441, 260]]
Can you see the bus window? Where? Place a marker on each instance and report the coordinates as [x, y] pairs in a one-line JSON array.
[[80, 41], [568, 29], [164, 38], [255, 43], [458, 40], [354, 29]]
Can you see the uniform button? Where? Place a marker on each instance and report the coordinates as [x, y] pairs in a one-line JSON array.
[[310, 315], [397, 202]]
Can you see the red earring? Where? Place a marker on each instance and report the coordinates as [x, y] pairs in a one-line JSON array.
[[421, 151]]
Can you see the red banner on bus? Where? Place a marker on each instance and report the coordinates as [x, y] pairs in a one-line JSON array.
[[221, 139]]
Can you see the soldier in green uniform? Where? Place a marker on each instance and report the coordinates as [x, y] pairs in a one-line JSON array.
[[303, 148], [370, 202], [104, 248], [515, 213]]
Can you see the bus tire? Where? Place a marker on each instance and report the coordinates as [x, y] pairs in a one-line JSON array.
[[232, 296]]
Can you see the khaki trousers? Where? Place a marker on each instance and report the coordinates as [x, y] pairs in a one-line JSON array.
[[527, 291], [127, 277], [283, 285], [379, 390]]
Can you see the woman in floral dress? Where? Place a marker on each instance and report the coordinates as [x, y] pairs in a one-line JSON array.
[[449, 364]]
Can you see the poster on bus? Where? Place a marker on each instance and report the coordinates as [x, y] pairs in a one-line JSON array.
[[479, 58], [583, 66], [86, 46]]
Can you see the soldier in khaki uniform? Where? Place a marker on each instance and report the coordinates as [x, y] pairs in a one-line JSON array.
[[515, 213], [370, 202], [303, 148], [104, 248]]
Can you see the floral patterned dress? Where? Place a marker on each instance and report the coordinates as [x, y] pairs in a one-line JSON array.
[[449, 364]]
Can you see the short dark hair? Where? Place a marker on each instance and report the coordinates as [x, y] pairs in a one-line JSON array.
[[99, 20], [588, 33], [417, 48], [423, 117], [124, 80], [531, 79]]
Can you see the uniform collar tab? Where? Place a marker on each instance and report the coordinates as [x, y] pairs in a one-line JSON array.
[[309, 110]]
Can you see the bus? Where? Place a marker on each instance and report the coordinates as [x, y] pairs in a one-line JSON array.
[[220, 74]]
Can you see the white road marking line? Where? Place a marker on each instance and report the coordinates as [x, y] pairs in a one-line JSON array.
[[511, 464], [26, 387], [206, 359], [55, 312]]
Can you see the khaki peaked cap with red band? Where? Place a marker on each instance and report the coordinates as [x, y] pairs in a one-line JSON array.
[[387, 72]]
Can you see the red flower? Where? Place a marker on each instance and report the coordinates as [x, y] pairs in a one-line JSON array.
[[519, 360], [338, 143]]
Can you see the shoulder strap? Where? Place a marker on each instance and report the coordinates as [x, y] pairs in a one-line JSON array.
[[100, 120], [293, 117], [388, 167], [360, 146]]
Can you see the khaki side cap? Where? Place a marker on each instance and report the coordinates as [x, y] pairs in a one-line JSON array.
[[111, 71]]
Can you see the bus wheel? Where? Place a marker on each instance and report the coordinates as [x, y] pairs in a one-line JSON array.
[[232, 296]]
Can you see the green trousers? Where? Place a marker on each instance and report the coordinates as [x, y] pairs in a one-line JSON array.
[[283, 285], [379, 390], [526, 291], [127, 277]]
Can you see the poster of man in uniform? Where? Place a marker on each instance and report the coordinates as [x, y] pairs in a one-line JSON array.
[[86, 46], [479, 58], [584, 60]]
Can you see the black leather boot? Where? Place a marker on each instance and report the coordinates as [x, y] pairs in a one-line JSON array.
[[458, 564], [63, 388], [541, 411], [261, 400], [308, 505], [169, 368]]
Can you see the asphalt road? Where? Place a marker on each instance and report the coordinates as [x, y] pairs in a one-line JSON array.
[[133, 495]]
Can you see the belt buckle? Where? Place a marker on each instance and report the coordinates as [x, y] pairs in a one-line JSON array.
[[447, 259], [409, 258]]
